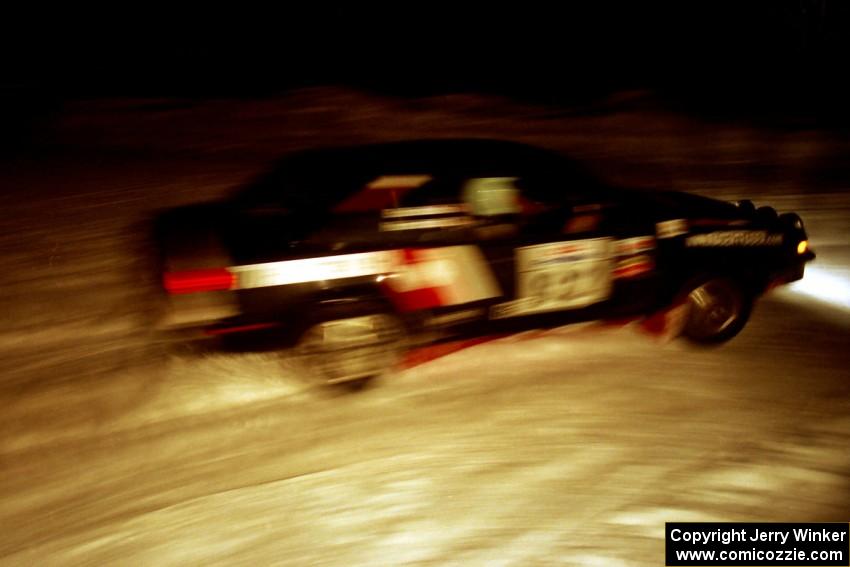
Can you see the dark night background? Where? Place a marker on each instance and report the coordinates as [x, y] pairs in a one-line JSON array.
[[765, 59]]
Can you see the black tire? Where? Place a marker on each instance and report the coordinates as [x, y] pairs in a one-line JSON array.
[[349, 346], [718, 309]]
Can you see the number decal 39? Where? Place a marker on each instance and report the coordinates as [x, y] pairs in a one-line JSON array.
[[559, 276]]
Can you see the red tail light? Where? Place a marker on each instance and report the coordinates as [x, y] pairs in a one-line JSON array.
[[191, 281]]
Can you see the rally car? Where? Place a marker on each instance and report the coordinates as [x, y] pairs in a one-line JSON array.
[[351, 254]]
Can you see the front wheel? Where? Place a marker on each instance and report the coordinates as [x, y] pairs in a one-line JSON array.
[[718, 308]]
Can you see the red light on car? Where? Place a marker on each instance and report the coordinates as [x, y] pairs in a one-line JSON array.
[[192, 281]]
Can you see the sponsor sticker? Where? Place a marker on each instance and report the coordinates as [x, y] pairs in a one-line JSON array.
[[440, 277], [636, 245], [735, 238], [634, 266], [671, 228]]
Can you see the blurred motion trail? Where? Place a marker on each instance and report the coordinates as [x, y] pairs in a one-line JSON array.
[[573, 448]]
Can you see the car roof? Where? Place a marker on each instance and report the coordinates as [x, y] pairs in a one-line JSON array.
[[427, 155], [333, 172]]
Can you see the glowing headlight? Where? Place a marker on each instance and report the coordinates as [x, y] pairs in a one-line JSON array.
[[826, 286]]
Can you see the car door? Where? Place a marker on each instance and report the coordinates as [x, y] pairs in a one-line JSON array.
[[555, 264], [531, 257]]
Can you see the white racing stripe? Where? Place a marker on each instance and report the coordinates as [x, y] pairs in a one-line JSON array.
[[456, 274], [306, 270]]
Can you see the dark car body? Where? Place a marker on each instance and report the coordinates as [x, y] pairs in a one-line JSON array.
[[462, 237]]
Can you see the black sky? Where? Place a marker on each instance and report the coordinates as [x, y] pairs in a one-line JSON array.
[[783, 52]]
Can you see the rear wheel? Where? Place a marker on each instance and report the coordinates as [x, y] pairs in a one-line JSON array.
[[718, 308], [353, 350]]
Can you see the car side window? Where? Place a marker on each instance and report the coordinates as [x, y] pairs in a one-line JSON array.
[[491, 196], [551, 208], [437, 191]]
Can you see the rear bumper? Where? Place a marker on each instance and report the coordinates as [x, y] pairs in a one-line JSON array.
[[197, 310]]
